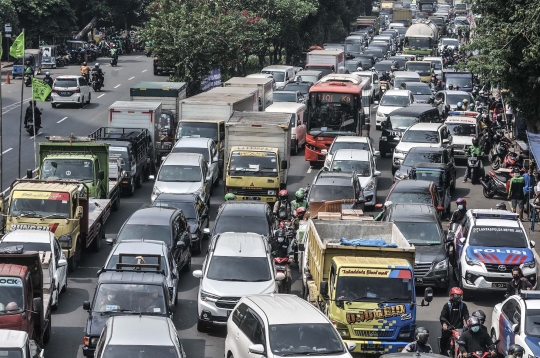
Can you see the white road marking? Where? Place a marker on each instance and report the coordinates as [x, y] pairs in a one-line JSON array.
[[137, 56], [309, 170], [129, 79], [7, 150], [116, 86], [143, 71], [13, 106], [32, 137], [101, 95], [63, 119]]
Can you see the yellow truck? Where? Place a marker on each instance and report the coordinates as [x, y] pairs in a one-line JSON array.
[[61, 207], [368, 292]]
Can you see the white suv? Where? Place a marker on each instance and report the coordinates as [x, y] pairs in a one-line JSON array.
[[237, 264], [70, 90], [294, 327]]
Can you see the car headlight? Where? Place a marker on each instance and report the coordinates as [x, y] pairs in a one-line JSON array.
[[65, 241], [342, 329], [370, 185], [380, 114], [208, 297], [441, 265], [530, 264], [472, 262], [271, 192], [384, 139], [398, 151], [93, 341]]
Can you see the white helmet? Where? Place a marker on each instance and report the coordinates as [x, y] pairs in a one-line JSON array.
[[97, 64]]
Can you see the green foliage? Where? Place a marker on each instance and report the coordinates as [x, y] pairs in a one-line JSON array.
[[508, 40]]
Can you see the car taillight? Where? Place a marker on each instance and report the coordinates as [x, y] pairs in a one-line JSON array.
[[78, 90], [54, 91]]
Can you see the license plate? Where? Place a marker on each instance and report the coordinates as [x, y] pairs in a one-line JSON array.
[[229, 313], [63, 93], [419, 280], [498, 285], [372, 347], [251, 198]]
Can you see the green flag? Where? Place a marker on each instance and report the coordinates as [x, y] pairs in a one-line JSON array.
[[17, 49], [40, 90]]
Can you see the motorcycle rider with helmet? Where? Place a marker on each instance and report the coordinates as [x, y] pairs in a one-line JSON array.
[[454, 313], [295, 224], [300, 200], [280, 244], [459, 106], [85, 71], [282, 207], [36, 116], [385, 76], [476, 339], [515, 351], [465, 104], [475, 148], [518, 283], [230, 196], [114, 53], [459, 213], [481, 317], [28, 70], [420, 345], [49, 81], [99, 73], [450, 87]]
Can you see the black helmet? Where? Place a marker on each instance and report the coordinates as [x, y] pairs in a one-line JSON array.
[[450, 87], [500, 206], [516, 350], [480, 315], [422, 335], [475, 141]]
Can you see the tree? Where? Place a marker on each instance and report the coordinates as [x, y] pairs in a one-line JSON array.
[[507, 38]]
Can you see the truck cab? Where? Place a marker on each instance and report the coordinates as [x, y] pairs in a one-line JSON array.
[[18, 344]]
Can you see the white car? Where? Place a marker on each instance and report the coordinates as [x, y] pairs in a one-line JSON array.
[[390, 101], [237, 264], [295, 328], [349, 142], [463, 129], [515, 321], [42, 241], [487, 245], [451, 43], [434, 135], [70, 90], [204, 146], [362, 163]]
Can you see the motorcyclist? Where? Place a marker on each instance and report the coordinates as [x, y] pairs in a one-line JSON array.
[[459, 106], [85, 71], [459, 213], [280, 244], [500, 206], [518, 283], [439, 86], [28, 70], [36, 116], [450, 87], [385, 76], [481, 317], [453, 314], [476, 339], [465, 104], [385, 207], [230, 197], [282, 207], [515, 351], [299, 216], [114, 53], [99, 73], [300, 200], [48, 79], [420, 344], [475, 148]]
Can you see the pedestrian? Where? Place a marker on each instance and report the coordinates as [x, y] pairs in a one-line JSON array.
[[509, 116], [467, 35], [459, 34], [516, 193]]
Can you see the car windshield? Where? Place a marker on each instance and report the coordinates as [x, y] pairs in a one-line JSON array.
[[367, 285], [461, 23], [383, 66], [435, 176], [532, 322], [437, 64], [279, 76], [395, 101], [421, 137], [421, 233], [11, 353], [400, 60], [27, 246], [450, 42], [307, 78], [253, 163], [330, 192], [35, 204], [401, 29], [353, 47], [494, 236], [280, 96], [238, 223], [402, 122], [187, 208], [462, 82], [61, 82], [421, 43], [423, 69], [120, 153], [359, 168], [11, 295], [453, 99], [300, 87], [304, 339], [400, 197], [203, 151], [461, 129], [377, 54], [399, 80], [240, 269], [418, 157], [461, 6], [198, 130], [131, 297], [137, 259], [74, 169], [419, 89], [179, 173], [352, 66], [148, 232], [348, 145], [132, 351]]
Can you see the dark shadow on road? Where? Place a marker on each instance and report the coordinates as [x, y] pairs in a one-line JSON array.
[[71, 300]]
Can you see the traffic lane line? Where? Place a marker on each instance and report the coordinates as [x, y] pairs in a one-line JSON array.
[[63, 119], [101, 95], [129, 79], [7, 150], [116, 86], [39, 133], [143, 71]]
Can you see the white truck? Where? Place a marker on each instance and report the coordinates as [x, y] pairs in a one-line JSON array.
[[252, 92], [257, 152], [327, 61], [42, 241], [265, 86], [211, 105]]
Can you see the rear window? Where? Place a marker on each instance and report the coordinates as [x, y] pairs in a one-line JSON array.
[[65, 82]]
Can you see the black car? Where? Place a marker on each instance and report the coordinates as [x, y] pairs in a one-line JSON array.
[[420, 91], [302, 87], [195, 212], [352, 65], [366, 57], [120, 293], [377, 52], [420, 225], [440, 175], [244, 216], [165, 224], [334, 185], [428, 155]]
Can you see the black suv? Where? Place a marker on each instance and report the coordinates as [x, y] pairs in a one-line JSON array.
[[428, 155], [195, 212], [335, 185], [127, 292], [420, 225], [244, 216]]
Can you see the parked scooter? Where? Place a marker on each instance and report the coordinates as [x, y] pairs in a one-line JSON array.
[[496, 183]]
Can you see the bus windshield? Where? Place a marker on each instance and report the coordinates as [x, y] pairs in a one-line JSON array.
[[333, 114]]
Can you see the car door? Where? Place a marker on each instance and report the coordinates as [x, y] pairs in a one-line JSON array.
[[61, 272], [204, 213], [214, 162], [184, 235], [376, 85], [207, 181], [173, 268], [233, 329], [250, 333], [510, 315]]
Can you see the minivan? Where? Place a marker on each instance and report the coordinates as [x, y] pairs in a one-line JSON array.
[[405, 76], [298, 125]]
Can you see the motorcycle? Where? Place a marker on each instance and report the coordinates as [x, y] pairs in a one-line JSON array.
[[496, 183], [479, 354], [282, 265], [96, 82], [30, 126], [497, 154], [384, 87], [27, 80], [511, 160], [475, 167], [453, 347], [114, 61]]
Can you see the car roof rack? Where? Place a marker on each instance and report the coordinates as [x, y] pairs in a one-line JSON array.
[[139, 266]]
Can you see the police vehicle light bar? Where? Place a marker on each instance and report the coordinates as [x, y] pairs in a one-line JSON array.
[[494, 215], [530, 295], [463, 113]]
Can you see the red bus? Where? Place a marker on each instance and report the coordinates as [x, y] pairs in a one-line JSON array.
[[333, 109]]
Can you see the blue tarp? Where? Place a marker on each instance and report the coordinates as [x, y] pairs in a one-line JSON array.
[[534, 145], [366, 242]]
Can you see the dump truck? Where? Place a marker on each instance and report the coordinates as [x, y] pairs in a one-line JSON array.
[[421, 39], [27, 283], [403, 16], [265, 86], [327, 61], [61, 207], [258, 152], [169, 94], [368, 292], [82, 159]]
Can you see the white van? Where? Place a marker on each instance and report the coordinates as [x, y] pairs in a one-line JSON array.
[[282, 74], [404, 76], [298, 125]]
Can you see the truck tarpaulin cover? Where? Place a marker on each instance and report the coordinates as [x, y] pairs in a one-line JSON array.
[[366, 242]]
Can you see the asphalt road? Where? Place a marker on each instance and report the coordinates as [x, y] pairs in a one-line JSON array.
[[69, 320]]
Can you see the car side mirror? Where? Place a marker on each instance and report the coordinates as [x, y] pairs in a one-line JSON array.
[[110, 239], [515, 328], [428, 296], [301, 247], [280, 276], [86, 305], [197, 273], [450, 236], [151, 177], [324, 151], [377, 153], [256, 349], [324, 288], [206, 231], [284, 164], [63, 262], [377, 173], [101, 175], [180, 244], [533, 244], [79, 212], [376, 102], [38, 304], [462, 240], [440, 208], [351, 346]]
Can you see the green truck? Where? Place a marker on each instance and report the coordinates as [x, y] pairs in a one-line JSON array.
[[84, 160]]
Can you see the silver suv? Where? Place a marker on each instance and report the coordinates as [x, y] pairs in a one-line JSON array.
[[70, 90]]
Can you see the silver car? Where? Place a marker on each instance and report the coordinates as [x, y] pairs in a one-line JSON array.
[[204, 146]]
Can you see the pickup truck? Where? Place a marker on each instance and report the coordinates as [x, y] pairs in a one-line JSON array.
[[19, 344]]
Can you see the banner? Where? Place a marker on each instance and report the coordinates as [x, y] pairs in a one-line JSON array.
[[213, 80], [40, 90], [17, 49]]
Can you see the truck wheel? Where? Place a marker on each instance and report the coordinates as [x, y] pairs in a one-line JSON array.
[[47, 333], [72, 263], [138, 181], [116, 204]]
